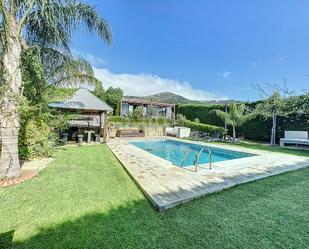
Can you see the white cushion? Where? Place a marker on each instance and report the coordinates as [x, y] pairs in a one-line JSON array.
[[296, 134]]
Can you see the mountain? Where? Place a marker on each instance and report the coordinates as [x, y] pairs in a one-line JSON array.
[[172, 98], [168, 97]]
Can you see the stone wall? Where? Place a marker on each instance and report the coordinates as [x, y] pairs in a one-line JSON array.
[[155, 131]]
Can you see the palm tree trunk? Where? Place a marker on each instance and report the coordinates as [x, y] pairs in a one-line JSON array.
[[9, 161], [234, 134], [273, 130]]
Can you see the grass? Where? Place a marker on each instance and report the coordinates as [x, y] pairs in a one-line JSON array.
[[84, 199], [267, 147]]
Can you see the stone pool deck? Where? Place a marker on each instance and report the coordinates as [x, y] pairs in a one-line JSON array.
[[167, 185]]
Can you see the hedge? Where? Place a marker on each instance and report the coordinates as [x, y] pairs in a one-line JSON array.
[[148, 121], [203, 112], [255, 129], [211, 129]]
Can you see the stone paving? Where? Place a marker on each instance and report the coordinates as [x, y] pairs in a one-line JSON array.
[[167, 185], [29, 170]]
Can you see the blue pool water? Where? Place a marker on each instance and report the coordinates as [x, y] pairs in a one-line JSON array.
[[174, 151]]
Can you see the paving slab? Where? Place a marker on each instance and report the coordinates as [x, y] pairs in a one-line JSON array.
[[167, 185]]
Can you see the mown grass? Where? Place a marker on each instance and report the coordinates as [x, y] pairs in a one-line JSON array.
[[267, 147], [84, 199]]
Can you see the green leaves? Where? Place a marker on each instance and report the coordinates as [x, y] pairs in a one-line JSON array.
[[273, 104], [52, 22], [236, 116]]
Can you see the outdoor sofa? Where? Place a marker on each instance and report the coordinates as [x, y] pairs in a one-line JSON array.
[[177, 131], [295, 138]]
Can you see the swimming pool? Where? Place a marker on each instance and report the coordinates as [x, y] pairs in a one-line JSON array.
[[174, 151]]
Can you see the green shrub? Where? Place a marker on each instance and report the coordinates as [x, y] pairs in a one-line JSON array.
[[140, 122], [37, 140], [211, 129], [202, 112], [257, 128]]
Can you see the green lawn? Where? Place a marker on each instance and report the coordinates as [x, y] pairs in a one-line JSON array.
[[267, 147], [84, 199]]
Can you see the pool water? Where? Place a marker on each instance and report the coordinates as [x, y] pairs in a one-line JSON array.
[[174, 151]]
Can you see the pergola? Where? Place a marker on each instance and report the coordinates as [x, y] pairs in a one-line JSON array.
[[148, 103], [90, 109]]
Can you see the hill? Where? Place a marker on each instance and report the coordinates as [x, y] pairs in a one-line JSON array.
[[172, 98]]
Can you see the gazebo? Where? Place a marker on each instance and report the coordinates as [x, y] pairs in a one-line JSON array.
[[88, 124]]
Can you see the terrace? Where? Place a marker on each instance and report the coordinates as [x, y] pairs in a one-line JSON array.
[[167, 185], [150, 108]]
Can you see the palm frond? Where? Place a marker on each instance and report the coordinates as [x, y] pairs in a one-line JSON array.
[[236, 116], [76, 80], [52, 22]]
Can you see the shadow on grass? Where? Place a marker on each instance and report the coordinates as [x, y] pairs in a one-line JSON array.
[[124, 227], [6, 239]]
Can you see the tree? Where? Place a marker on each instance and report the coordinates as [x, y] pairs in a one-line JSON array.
[[99, 91], [49, 24], [273, 106], [137, 113], [43, 71], [113, 96], [299, 103], [236, 116]]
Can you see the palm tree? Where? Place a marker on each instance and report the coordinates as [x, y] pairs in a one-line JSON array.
[[43, 69], [236, 116], [49, 24]]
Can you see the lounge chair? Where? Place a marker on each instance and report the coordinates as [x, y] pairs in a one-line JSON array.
[[216, 138], [195, 135], [295, 137]]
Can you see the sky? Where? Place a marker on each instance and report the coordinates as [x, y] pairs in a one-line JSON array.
[[201, 49]]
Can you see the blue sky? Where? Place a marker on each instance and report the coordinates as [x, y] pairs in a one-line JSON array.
[[201, 49]]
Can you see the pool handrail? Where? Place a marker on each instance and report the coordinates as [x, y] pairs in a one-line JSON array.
[[185, 157], [197, 156]]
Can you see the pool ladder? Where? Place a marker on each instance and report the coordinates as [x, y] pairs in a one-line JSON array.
[[197, 156]]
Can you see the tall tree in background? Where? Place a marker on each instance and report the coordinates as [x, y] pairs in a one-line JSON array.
[[113, 96], [272, 106], [49, 24], [236, 116], [99, 91]]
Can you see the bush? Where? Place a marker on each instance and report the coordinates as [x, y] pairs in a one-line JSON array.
[[202, 112], [211, 129], [37, 140], [141, 122], [257, 128]]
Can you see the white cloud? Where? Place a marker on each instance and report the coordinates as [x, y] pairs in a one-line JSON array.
[[226, 74], [147, 84], [94, 60]]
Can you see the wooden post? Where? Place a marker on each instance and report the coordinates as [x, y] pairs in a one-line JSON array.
[[105, 129], [101, 113], [120, 108]]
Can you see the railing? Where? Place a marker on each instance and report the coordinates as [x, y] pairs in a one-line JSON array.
[[197, 156], [185, 157], [163, 137]]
